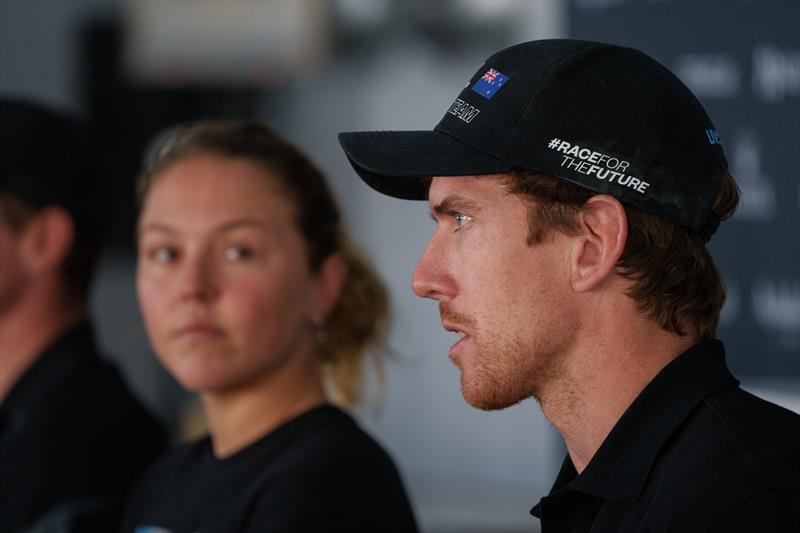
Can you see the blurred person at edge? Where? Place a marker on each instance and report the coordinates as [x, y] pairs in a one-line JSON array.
[[573, 186], [72, 436], [254, 299]]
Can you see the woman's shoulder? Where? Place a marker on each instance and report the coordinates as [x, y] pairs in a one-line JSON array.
[[331, 439], [336, 477]]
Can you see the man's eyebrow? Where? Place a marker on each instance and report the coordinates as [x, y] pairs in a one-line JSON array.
[[454, 204]]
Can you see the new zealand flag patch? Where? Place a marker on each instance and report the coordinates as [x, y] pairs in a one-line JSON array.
[[488, 84]]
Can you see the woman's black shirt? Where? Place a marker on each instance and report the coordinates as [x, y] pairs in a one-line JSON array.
[[317, 472]]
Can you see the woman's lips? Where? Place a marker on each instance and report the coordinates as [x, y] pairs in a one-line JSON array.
[[199, 331]]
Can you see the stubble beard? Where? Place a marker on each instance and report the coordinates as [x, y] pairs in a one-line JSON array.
[[503, 371], [504, 374], [506, 371]]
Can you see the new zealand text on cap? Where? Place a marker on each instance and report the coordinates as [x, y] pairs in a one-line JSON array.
[[608, 118]]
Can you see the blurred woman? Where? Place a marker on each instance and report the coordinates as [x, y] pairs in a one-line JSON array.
[[253, 299]]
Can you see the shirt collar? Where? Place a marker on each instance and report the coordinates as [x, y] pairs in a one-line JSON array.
[[621, 466]]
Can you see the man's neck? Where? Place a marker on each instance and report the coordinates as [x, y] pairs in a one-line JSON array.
[[27, 328], [602, 377]]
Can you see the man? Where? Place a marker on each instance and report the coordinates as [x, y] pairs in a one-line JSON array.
[[72, 436], [574, 186]]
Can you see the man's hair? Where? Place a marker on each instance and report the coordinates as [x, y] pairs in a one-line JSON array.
[[78, 266], [676, 282]]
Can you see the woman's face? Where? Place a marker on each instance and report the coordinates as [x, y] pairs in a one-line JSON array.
[[222, 279]]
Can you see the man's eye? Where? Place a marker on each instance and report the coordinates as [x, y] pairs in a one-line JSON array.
[[163, 255], [237, 253], [461, 220]]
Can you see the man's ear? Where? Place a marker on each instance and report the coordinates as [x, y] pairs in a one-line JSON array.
[[47, 240], [328, 284], [603, 231]]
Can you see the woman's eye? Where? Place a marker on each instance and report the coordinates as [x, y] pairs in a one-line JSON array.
[[163, 255], [461, 220], [237, 253]]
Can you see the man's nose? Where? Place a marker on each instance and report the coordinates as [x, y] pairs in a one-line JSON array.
[[432, 278]]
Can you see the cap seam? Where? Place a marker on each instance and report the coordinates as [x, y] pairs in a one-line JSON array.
[[585, 51], [659, 117]]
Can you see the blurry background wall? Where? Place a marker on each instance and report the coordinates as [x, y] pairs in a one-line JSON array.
[[314, 68]]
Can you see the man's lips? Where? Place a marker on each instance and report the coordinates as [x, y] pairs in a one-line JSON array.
[[456, 328], [458, 345], [463, 338]]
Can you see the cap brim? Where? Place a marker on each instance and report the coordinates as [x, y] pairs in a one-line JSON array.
[[399, 163]]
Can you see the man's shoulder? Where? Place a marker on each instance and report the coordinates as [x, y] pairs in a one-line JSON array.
[[733, 438], [73, 383], [95, 402], [735, 453], [74, 399], [731, 449], [758, 435]]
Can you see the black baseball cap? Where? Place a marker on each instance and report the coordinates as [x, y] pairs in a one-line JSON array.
[[52, 158], [604, 117]]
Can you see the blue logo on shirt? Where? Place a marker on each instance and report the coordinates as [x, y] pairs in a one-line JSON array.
[[713, 137], [150, 529]]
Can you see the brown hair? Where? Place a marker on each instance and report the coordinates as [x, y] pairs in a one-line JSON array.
[[675, 279], [358, 323], [80, 263]]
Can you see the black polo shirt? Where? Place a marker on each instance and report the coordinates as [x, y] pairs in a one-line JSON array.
[[693, 452], [72, 440]]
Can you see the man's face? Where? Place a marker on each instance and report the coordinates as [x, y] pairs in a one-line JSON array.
[[510, 301], [12, 270]]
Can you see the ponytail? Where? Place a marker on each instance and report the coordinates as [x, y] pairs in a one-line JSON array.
[[356, 330]]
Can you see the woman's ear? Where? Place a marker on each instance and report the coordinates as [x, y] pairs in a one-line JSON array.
[[328, 284], [46, 240], [603, 230]]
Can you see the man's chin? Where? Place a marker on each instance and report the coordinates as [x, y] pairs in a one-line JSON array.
[[486, 398]]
